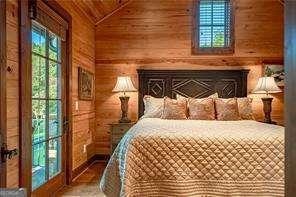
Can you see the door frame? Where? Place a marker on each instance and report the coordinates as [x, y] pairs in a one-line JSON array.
[[25, 92], [290, 95], [3, 113]]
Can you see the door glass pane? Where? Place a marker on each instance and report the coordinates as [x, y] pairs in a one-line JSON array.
[[46, 105], [38, 165], [54, 80], [54, 47], [38, 76], [54, 156], [38, 39], [54, 118], [38, 120]]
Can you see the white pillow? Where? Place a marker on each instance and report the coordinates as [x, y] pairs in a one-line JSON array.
[[214, 96], [153, 107]]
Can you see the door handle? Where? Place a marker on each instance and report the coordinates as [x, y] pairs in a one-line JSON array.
[[7, 154]]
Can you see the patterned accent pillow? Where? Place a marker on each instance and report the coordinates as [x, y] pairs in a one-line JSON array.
[[174, 109], [153, 107], [226, 109], [201, 109], [245, 108]]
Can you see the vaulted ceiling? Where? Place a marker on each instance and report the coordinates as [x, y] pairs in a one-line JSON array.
[[97, 10]]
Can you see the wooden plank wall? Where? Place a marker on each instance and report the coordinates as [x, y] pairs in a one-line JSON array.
[[157, 34], [145, 34], [12, 96], [83, 55]]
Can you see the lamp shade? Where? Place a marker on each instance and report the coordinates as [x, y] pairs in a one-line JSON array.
[[266, 85], [124, 84]]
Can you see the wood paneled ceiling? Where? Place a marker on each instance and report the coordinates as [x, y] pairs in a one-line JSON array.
[[97, 10]]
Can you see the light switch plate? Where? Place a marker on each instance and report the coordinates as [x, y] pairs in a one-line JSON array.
[[76, 106]]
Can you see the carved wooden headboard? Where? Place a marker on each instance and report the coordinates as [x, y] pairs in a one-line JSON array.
[[191, 83]]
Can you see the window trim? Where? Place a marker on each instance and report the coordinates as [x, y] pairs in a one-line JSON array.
[[195, 49]]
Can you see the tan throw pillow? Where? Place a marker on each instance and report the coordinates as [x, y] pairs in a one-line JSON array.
[[174, 109], [201, 109], [245, 108], [226, 109], [153, 107]]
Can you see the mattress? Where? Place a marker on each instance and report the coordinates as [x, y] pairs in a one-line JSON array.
[[160, 157]]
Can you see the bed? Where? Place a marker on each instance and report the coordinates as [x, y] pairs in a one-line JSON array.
[[159, 157]]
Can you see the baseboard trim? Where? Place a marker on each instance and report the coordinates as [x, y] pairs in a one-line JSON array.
[[97, 157]]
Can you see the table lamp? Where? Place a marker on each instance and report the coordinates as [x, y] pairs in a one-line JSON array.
[[124, 84], [267, 85]]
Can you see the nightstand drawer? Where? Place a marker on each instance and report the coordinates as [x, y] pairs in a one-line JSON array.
[[118, 130]]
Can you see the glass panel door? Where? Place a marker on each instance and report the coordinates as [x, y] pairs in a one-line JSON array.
[[46, 105]]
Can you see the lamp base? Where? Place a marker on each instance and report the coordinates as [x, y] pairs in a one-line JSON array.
[[124, 109], [267, 109]]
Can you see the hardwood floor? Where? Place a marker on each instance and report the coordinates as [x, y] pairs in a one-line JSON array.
[[87, 184]]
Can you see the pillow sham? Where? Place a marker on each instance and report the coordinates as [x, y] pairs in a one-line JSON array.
[[226, 109], [201, 109], [174, 109], [245, 108], [153, 107]]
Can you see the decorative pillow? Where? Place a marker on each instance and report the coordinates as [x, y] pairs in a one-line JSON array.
[[226, 109], [153, 107], [214, 96], [201, 109], [245, 108], [180, 97], [174, 109]]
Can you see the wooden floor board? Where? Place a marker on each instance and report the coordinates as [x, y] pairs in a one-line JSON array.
[[86, 184]]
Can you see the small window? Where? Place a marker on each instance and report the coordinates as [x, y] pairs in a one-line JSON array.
[[213, 27]]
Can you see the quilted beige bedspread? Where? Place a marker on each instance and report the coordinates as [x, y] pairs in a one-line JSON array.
[[197, 158]]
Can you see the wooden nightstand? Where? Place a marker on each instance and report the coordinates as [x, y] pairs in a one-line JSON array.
[[117, 132]]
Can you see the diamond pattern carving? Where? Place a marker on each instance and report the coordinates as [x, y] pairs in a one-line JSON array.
[[227, 88], [193, 88], [156, 87], [191, 83]]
